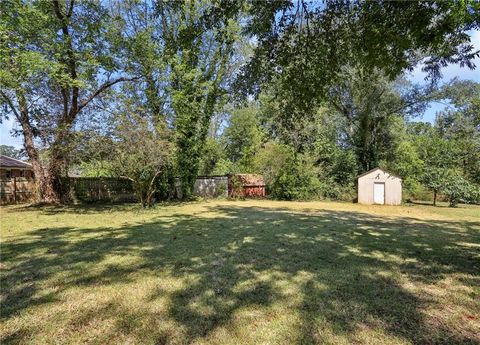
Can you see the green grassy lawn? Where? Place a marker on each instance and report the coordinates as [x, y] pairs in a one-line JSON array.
[[246, 272]]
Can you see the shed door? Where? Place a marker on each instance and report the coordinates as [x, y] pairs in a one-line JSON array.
[[379, 193]]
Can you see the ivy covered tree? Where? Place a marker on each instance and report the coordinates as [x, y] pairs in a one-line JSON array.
[[182, 51]]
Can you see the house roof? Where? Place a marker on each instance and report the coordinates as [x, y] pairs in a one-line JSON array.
[[375, 169], [9, 162]]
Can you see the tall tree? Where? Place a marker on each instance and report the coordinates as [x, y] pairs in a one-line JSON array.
[[374, 108], [460, 123], [182, 50], [242, 138], [141, 153], [55, 61], [305, 45]]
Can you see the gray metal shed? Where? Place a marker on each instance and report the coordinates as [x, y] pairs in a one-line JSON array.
[[377, 186]]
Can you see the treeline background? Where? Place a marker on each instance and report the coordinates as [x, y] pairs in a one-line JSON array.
[[308, 94]]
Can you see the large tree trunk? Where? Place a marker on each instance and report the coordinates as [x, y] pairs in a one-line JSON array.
[[38, 169], [48, 180], [52, 184], [50, 190]]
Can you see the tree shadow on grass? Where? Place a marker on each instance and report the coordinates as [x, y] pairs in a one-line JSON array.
[[343, 265], [94, 207]]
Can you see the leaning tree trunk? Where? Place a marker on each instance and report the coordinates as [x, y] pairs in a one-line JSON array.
[[47, 178], [32, 152]]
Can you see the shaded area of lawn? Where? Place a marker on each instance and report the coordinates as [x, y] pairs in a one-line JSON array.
[[335, 273]]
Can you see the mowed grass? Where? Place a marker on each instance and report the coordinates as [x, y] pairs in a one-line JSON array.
[[245, 272]]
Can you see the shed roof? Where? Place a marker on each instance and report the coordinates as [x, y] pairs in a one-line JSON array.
[[9, 162], [249, 180], [375, 169]]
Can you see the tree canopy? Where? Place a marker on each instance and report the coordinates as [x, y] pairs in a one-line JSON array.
[[308, 93]]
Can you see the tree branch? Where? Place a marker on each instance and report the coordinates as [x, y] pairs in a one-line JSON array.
[[70, 8], [101, 89], [10, 104], [58, 12]]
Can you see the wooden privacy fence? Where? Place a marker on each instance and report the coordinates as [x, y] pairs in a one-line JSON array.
[[113, 189], [91, 189], [17, 189], [77, 189]]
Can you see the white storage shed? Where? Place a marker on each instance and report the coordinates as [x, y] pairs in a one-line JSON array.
[[377, 186]]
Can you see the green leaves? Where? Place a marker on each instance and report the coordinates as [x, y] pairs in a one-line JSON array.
[[456, 188], [141, 153], [304, 46], [242, 138]]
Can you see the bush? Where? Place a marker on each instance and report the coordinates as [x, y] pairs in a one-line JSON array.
[[475, 194], [335, 191], [414, 190], [457, 189], [296, 180]]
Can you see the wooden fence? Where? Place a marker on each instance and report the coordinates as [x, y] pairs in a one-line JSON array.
[[74, 189], [92, 189], [17, 189], [113, 189]]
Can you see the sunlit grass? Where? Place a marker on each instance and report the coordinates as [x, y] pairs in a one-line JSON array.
[[246, 272]]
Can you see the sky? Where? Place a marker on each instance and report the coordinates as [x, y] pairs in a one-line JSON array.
[[416, 76], [449, 72]]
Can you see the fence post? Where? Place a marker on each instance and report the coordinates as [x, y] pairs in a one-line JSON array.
[[14, 189]]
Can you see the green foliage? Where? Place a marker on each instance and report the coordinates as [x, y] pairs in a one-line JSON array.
[[213, 160], [344, 167], [374, 110], [445, 167], [461, 125], [413, 189], [11, 151], [296, 180], [165, 183], [406, 161], [96, 168], [242, 138], [452, 184], [433, 178], [236, 185], [332, 101], [456, 188], [142, 154], [312, 42], [270, 159]]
